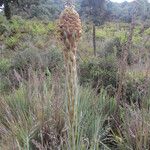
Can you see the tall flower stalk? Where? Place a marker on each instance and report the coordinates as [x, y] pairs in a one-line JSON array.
[[70, 33]]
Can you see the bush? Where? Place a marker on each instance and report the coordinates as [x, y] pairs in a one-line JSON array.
[[135, 132], [100, 72], [27, 58], [137, 89], [5, 85], [2, 28], [12, 42], [51, 27], [4, 69], [52, 60], [100, 34], [33, 58], [4, 66], [17, 24], [113, 48]]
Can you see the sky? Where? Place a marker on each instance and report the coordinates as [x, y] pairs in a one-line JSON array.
[[119, 1]]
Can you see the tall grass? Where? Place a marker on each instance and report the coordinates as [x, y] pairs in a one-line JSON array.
[[26, 111], [30, 118], [135, 129]]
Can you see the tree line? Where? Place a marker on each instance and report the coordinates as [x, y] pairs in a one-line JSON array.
[[94, 11], [100, 9]]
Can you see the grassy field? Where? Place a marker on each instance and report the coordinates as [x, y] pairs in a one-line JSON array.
[[33, 92]]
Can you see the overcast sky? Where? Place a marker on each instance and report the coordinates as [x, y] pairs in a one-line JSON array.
[[119, 1]]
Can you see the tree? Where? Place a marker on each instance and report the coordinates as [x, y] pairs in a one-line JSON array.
[[24, 8], [94, 11], [7, 10], [1, 2], [123, 11], [143, 9], [42, 9]]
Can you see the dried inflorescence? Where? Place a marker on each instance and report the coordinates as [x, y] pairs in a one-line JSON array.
[[69, 27]]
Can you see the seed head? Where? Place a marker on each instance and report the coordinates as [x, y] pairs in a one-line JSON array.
[[69, 26]]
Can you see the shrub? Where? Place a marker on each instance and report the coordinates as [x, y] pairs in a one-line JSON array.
[[51, 26], [132, 94], [32, 59], [26, 58], [5, 85], [135, 132], [147, 31], [121, 35], [101, 34], [100, 72], [2, 28], [52, 59], [37, 28], [4, 66], [136, 87], [4, 69], [113, 48], [12, 42], [17, 24]]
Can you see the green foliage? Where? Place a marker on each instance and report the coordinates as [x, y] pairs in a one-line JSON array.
[[93, 112], [94, 11], [12, 42], [147, 31], [124, 11], [147, 45], [32, 97], [26, 116], [27, 58], [17, 24], [4, 69], [38, 28], [1, 19], [51, 26], [20, 34], [2, 28], [136, 89], [136, 131], [101, 72], [30, 119], [136, 75], [41, 9], [4, 66], [121, 35], [106, 31], [31, 58], [5, 86], [137, 39], [101, 34]]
